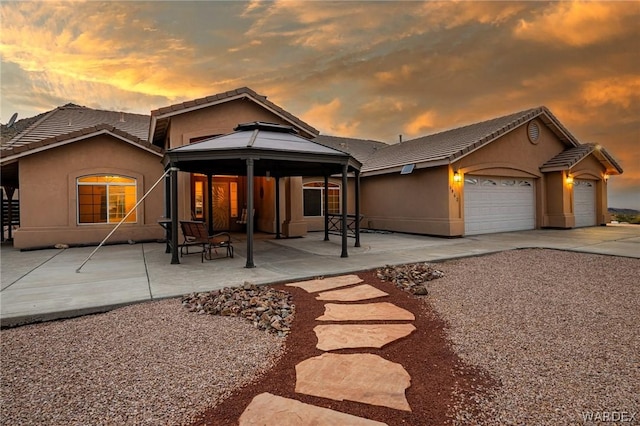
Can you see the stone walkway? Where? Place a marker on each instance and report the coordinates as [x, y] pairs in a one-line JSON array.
[[361, 377]]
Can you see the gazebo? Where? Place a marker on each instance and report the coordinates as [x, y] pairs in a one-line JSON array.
[[262, 149]]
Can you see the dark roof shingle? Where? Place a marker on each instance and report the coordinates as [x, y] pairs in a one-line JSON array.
[[360, 149], [449, 145], [72, 121]]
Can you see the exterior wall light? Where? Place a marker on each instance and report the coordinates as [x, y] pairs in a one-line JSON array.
[[457, 177], [606, 177], [569, 179]]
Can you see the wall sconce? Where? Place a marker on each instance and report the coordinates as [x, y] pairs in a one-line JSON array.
[[569, 179], [457, 177], [606, 177]]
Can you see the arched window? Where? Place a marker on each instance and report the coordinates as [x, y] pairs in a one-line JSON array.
[[106, 198], [314, 195]]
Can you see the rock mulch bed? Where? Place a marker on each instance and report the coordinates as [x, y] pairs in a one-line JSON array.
[[410, 278], [268, 309]]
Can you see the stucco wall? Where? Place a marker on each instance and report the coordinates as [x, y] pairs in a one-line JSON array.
[[48, 195], [414, 203], [218, 120]]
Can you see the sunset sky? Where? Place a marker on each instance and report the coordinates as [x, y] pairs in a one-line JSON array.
[[369, 70]]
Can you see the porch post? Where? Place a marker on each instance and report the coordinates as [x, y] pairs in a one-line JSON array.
[[10, 191], [167, 210], [250, 263], [345, 169], [174, 216], [357, 208], [326, 207], [277, 178], [210, 203]]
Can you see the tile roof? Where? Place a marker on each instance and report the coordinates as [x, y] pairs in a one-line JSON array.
[[72, 121], [572, 156], [160, 117], [445, 147], [360, 149]]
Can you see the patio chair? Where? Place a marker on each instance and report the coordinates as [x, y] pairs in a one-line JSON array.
[[243, 217], [195, 234]]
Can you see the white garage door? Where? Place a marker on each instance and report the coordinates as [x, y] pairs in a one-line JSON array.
[[498, 204], [584, 202]]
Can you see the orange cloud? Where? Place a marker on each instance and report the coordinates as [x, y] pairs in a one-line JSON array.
[[328, 118], [90, 49], [620, 90], [577, 23], [421, 124]]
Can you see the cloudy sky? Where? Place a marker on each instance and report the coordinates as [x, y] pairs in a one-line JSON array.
[[359, 69]]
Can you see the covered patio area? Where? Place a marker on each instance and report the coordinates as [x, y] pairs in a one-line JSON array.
[[260, 149]]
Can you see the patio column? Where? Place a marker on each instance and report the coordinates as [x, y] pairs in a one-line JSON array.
[[345, 169], [250, 263], [357, 208], [210, 202], [326, 207], [167, 210], [277, 178], [174, 216]]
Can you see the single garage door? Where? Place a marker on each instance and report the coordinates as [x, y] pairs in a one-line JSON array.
[[584, 202], [498, 204]]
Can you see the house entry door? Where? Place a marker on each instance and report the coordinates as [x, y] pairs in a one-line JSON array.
[[221, 206]]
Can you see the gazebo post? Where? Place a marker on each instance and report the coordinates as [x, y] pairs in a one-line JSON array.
[[210, 202], [250, 263], [326, 207], [277, 178], [345, 169], [167, 210], [174, 216], [357, 208]]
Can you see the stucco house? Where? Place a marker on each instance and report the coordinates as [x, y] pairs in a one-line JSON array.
[[79, 170], [517, 172]]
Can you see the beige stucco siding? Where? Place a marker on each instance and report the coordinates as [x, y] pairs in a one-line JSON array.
[[417, 203], [512, 155], [48, 195], [217, 120]]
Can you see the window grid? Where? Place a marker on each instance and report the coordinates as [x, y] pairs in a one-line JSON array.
[[106, 199], [314, 201]]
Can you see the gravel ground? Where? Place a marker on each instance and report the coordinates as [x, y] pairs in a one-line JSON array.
[[560, 331], [152, 363]]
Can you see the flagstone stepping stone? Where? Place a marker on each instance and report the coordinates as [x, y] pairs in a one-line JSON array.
[[365, 378], [352, 294], [267, 410], [328, 283], [344, 336], [364, 312]]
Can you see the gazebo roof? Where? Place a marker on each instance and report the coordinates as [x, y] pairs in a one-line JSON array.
[[279, 151]]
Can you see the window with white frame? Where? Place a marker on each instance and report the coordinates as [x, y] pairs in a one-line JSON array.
[[313, 196], [106, 198]]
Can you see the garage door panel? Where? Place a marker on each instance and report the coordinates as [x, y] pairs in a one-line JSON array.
[[498, 205], [584, 202]]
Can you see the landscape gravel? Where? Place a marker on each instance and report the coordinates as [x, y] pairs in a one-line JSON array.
[[152, 363], [559, 331]]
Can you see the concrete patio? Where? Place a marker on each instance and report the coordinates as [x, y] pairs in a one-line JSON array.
[[44, 285]]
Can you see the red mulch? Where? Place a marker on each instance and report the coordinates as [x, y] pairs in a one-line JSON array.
[[425, 354]]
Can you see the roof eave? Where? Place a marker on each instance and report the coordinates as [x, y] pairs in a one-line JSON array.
[[396, 168], [11, 157], [243, 95]]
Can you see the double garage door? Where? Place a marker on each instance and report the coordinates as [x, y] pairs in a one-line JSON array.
[[498, 204]]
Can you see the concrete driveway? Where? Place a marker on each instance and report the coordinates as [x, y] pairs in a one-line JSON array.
[[44, 285]]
